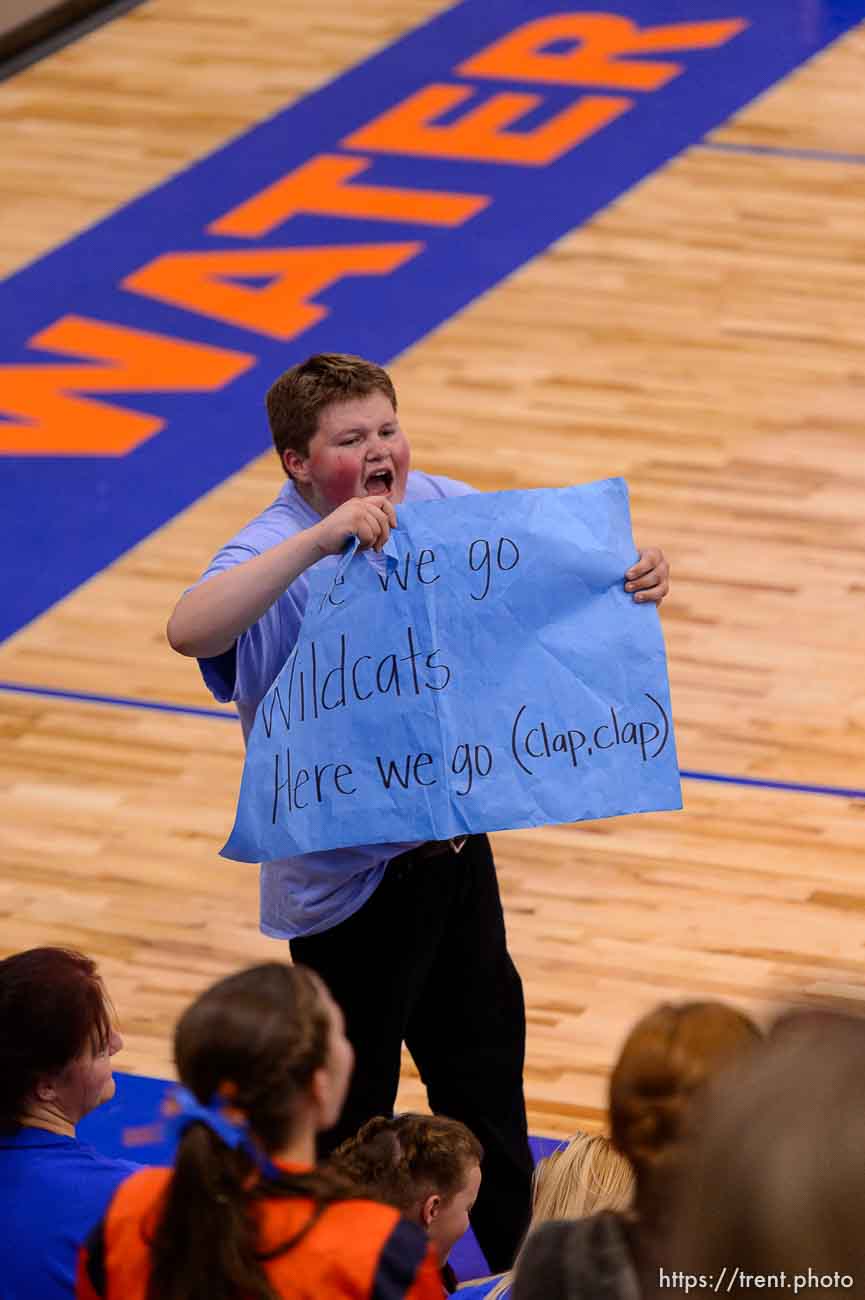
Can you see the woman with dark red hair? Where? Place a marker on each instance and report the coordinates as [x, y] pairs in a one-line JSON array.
[[57, 1038]]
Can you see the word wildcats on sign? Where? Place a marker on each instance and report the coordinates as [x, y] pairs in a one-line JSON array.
[[419, 179], [487, 672]]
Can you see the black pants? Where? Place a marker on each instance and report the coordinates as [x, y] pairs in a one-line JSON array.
[[425, 962]]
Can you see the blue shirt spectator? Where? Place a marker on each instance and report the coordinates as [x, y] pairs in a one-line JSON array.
[[57, 1038], [55, 1189]]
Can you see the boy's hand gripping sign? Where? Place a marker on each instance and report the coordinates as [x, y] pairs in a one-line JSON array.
[[487, 671]]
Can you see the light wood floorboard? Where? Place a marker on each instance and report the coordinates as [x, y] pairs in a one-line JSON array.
[[704, 337]]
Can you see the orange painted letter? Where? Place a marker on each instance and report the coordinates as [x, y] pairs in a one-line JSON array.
[[321, 186], [202, 282], [53, 420], [601, 42], [479, 135]]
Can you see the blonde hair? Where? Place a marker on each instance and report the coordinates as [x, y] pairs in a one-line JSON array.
[[584, 1177], [667, 1058]]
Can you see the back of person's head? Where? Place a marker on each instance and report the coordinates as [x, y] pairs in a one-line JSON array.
[[586, 1176], [53, 1009], [260, 1035], [297, 398], [427, 1166], [775, 1182], [667, 1059], [663, 1069], [269, 1043]]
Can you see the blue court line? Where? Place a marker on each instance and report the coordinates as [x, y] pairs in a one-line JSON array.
[[781, 151], [157, 706], [117, 701], [841, 792]]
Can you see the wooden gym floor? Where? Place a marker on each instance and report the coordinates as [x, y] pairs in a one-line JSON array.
[[709, 346]]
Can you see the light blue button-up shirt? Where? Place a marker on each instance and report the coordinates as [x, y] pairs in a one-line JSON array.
[[308, 894]]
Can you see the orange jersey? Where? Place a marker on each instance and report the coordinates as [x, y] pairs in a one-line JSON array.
[[357, 1249]]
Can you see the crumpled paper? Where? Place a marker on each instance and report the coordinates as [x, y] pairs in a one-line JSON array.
[[488, 671]]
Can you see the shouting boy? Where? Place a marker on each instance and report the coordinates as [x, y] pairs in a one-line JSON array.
[[409, 938]]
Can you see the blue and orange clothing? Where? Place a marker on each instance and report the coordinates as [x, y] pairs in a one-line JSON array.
[[354, 1248]]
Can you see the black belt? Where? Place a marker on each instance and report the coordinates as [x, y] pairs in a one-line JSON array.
[[430, 849]]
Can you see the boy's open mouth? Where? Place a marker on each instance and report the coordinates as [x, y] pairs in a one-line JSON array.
[[380, 482]]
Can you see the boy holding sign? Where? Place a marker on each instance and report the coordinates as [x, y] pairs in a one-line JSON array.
[[409, 938]]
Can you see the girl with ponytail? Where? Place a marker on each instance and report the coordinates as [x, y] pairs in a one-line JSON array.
[[244, 1214]]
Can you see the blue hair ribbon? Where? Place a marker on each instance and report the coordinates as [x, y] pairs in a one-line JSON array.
[[181, 1108]]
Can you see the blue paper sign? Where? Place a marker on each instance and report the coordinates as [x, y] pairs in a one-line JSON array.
[[489, 672]]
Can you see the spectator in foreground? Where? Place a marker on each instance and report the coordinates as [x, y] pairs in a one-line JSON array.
[[776, 1178], [265, 1065], [428, 1166], [57, 1038], [584, 1177], [667, 1060]]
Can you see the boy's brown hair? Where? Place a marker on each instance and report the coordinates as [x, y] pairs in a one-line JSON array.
[[297, 398], [404, 1159]]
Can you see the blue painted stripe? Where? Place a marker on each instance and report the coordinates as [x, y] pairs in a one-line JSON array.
[[65, 517], [115, 701], [780, 151], [798, 787], [157, 706]]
